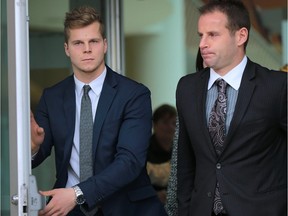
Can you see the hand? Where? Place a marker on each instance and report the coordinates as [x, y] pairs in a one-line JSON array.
[[162, 194], [62, 202], [159, 173], [37, 134]]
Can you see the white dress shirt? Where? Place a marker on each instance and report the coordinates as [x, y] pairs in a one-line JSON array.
[[94, 94]]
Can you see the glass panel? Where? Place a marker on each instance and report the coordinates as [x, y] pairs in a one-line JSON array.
[[48, 64], [4, 133]]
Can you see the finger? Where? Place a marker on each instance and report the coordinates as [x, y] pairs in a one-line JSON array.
[[48, 210], [40, 131], [32, 117], [47, 193]]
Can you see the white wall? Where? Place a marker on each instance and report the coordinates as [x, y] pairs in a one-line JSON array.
[[158, 58]]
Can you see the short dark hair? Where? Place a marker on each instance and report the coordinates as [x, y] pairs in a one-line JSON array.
[[163, 111], [236, 12], [81, 17], [199, 61]]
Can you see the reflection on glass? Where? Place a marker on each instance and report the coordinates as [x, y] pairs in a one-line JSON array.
[[4, 143]]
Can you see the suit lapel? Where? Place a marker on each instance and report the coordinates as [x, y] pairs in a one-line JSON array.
[[69, 104], [244, 97], [201, 101], [107, 95]]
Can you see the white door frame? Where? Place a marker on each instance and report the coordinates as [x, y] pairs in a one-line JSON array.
[[19, 105]]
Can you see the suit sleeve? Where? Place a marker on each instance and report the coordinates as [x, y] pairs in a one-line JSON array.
[[131, 144]]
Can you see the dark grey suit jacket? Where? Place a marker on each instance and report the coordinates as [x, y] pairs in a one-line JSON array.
[[252, 169]]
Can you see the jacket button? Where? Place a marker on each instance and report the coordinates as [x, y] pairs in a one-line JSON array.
[[209, 194], [218, 166]]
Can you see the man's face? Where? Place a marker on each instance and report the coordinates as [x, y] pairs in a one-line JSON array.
[[219, 47], [86, 48]]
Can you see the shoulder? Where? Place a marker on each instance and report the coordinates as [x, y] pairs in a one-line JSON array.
[[195, 77], [265, 74], [194, 81], [62, 86]]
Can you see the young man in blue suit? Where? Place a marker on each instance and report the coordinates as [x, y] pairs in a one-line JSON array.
[[232, 147], [121, 110]]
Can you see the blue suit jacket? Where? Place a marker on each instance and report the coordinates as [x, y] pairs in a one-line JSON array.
[[122, 128]]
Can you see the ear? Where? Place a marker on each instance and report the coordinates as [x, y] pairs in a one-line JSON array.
[[105, 45], [66, 48], [242, 36]]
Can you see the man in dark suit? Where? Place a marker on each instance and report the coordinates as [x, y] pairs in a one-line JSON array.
[[238, 167], [121, 109]]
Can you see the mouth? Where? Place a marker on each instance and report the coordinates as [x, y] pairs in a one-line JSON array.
[[88, 59], [207, 55]]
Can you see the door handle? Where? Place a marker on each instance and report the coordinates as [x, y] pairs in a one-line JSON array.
[[14, 199], [33, 201]]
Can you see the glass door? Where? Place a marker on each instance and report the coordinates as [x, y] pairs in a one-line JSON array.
[[4, 132], [18, 189], [19, 105]]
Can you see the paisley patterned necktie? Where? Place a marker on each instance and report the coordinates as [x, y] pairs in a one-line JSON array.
[[216, 126]]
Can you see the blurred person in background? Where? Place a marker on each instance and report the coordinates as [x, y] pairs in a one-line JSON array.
[[160, 148]]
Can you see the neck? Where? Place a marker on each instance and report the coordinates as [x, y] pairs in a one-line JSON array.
[[88, 76]]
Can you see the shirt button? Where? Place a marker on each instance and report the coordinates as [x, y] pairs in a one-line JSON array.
[[218, 166], [209, 194]]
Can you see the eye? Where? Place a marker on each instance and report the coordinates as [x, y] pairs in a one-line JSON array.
[[77, 43], [94, 41], [213, 34]]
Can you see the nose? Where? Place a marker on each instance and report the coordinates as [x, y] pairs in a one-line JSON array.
[[87, 48], [203, 43]]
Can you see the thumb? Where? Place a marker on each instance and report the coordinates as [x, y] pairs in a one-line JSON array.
[[40, 131]]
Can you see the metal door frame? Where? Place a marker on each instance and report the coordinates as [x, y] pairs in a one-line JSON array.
[[19, 104]]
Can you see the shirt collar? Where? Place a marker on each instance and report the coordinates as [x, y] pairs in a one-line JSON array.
[[96, 84], [233, 77]]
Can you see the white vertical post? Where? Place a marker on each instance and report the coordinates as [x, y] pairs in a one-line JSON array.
[[19, 104], [115, 35]]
